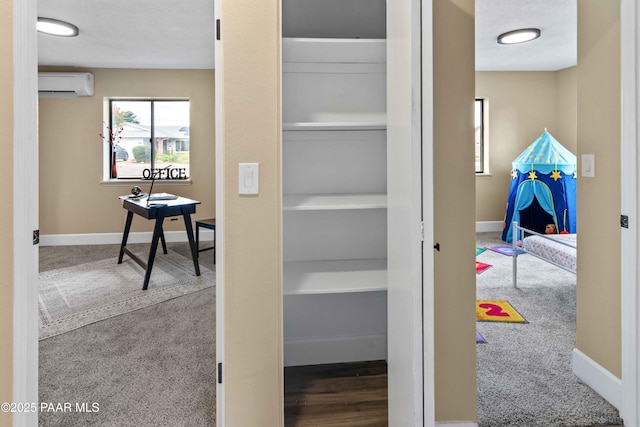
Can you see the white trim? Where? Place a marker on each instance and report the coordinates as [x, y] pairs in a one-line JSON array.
[[220, 218], [457, 424], [116, 238], [489, 226], [595, 376], [25, 209], [335, 350], [630, 305], [428, 264]]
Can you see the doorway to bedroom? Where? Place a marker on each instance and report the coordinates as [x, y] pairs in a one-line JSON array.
[[525, 367]]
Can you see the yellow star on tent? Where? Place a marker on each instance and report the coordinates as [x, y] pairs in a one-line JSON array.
[[555, 175], [514, 174], [532, 175]]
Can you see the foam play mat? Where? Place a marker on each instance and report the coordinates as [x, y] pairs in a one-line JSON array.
[[481, 266], [497, 311]]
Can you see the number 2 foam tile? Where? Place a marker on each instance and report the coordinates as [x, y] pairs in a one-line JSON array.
[[497, 311]]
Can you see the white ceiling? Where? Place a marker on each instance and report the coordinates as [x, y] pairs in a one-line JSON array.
[[554, 50], [130, 34], [180, 34]]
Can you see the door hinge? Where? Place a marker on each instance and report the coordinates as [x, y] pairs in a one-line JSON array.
[[36, 237], [624, 221], [219, 373], [217, 29], [422, 231]]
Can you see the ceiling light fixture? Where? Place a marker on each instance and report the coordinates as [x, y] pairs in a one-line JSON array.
[[519, 36], [55, 27]]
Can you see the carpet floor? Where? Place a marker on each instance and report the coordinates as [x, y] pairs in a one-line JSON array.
[[154, 366], [524, 369]]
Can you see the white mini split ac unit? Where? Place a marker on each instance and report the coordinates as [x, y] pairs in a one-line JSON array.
[[65, 85]]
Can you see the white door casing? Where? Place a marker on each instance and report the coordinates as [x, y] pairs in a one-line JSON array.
[[630, 183]]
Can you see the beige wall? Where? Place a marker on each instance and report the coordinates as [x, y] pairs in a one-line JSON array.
[[72, 199], [6, 219], [566, 129], [598, 296], [454, 219], [252, 249], [520, 106]]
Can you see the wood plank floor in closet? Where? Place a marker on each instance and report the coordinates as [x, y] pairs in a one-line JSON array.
[[345, 395]]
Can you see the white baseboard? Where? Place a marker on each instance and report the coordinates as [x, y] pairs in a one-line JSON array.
[[173, 236], [489, 226], [457, 424], [599, 379], [116, 238], [334, 350]]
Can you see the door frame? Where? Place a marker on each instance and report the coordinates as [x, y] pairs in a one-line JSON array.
[[410, 338], [428, 262], [25, 209], [630, 187]]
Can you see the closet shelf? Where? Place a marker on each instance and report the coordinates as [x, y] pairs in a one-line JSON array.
[[338, 276], [320, 202], [334, 126]]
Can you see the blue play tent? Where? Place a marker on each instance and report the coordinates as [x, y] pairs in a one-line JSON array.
[[543, 188]]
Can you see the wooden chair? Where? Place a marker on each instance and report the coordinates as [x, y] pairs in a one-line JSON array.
[[210, 224]]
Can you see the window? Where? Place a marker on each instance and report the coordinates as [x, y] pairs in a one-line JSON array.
[[480, 135], [149, 136]]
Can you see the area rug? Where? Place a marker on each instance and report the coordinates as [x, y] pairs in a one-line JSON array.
[[481, 267], [497, 311], [480, 339], [480, 250], [73, 297]]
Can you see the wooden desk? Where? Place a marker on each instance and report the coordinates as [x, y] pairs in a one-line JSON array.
[[158, 210]]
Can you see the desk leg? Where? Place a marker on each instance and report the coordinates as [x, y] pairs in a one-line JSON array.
[[192, 243], [164, 242], [125, 235], [157, 232]]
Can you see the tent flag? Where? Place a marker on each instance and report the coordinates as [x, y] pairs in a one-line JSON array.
[[543, 188]]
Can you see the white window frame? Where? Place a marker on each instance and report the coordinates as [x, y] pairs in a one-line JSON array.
[[484, 143]]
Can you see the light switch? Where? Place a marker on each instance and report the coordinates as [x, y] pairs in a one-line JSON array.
[[249, 178], [589, 165]]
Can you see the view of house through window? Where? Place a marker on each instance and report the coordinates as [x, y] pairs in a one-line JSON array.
[[150, 135], [479, 132]]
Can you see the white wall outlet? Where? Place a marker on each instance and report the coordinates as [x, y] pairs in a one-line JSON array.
[[589, 165], [249, 178]]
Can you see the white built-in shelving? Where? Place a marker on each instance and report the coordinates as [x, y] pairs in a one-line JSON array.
[[322, 202], [337, 276], [334, 203], [334, 126]]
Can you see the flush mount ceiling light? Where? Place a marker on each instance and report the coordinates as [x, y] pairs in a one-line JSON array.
[[55, 27], [519, 36]]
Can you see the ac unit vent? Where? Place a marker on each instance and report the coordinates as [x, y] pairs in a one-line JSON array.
[[65, 85]]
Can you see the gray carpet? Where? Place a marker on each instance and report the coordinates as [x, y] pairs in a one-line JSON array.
[[156, 366], [524, 370], [151, 367]]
